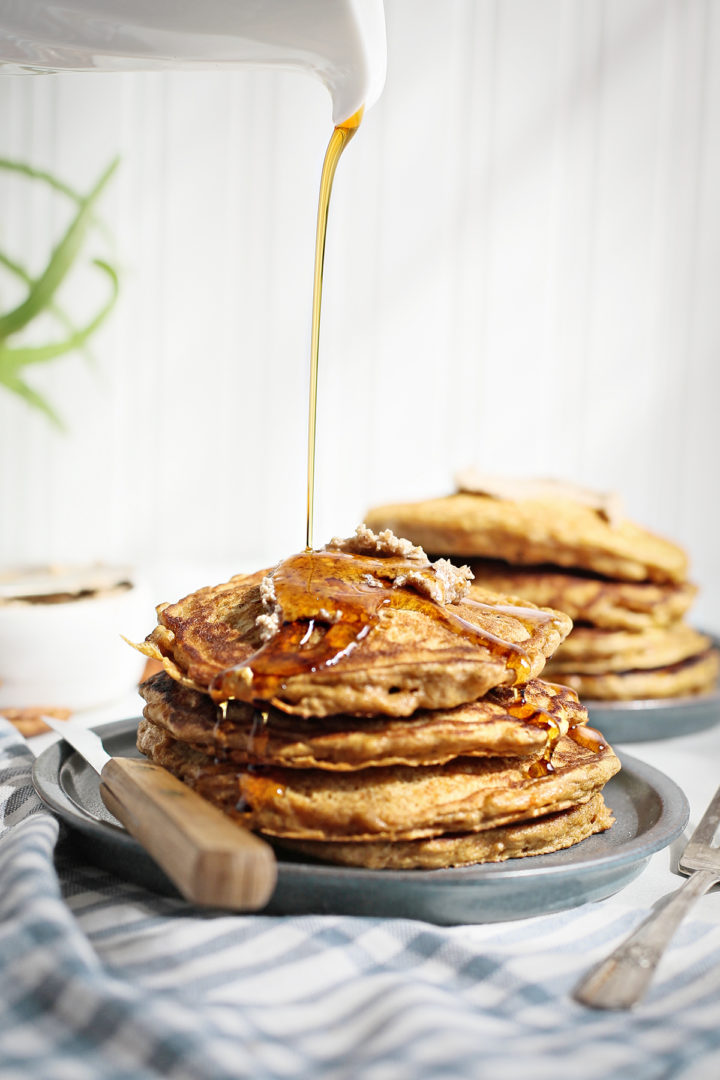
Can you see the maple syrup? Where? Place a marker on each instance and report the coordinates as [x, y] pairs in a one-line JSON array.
[[330, 600], [577, 730], [530, 714], [338, 141], [259, 734], [580, 732], [588, 738], [530, 618], [542, 767]]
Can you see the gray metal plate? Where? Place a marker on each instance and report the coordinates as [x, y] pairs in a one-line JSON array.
[[654, 718], [650, 811]]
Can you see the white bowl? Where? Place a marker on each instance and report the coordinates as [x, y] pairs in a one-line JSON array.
[[60, 636]]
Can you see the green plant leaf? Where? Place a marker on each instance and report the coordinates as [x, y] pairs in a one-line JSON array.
[[13, 359], [17, 386], [58, 185], [40, 174], [44, 288], [53, 309]]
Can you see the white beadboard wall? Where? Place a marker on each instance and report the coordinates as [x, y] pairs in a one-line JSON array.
[[523, 271]]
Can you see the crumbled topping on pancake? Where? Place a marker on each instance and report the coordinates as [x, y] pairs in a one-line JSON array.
[[385, 543], [441, 581], [447, 585], [517, 489], [269, 622]]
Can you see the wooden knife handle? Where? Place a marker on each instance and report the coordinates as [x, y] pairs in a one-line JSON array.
[[210, 859]]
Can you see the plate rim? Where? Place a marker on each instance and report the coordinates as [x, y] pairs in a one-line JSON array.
[[652, 704], [674, 816]]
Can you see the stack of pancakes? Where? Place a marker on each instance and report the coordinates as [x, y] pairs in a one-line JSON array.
[[625, 589], [357, 705]]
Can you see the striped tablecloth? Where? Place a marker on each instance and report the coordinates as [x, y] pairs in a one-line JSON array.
[[102, 980]]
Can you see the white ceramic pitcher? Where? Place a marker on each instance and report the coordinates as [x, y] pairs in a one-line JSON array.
[[342, 42]]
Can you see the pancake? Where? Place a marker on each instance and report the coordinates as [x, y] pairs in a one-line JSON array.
[[393, 803], [334, 632], [512, 721], [553, 832], [361, 696], [556, 530], [591, 651], [612, 605], [696, 675]]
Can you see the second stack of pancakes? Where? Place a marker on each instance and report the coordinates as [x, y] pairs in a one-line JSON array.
[[625, 588], [357, 705]]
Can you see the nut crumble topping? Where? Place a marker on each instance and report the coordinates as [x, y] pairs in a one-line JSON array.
[[269, 622], [385, 543]]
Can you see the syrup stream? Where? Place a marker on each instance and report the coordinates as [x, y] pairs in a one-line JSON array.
[[338, 141]]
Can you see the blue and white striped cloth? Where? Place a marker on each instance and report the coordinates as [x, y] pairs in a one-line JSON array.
[[102, 980]]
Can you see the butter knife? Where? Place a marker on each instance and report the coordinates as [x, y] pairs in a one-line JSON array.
[[620, 981], [211, 860]]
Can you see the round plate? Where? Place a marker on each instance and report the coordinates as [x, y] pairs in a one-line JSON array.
[[650, 811], [654, 718]]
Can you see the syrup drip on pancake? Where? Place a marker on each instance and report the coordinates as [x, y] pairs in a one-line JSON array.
[[261, 785], [258, 739], [578, 730], [219, 736], [530, 618], [262, 777], [588, 737], [543, 766], [330, 601], [259, 734]]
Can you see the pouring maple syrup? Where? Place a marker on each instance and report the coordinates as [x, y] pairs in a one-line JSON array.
[[330, 600], [339, 139]]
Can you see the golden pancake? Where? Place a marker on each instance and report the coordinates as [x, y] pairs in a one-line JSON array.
[[508, 722], [334, 632], [551, 833], [696, 675], [591, 651], [612, 605], [529, 531], [394, 803]]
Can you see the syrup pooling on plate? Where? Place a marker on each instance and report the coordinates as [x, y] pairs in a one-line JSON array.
[[330, 601]]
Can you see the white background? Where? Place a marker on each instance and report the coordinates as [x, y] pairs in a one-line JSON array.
[[523, 271]]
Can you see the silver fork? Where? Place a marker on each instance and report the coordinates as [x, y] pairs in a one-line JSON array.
[[621, 980]]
